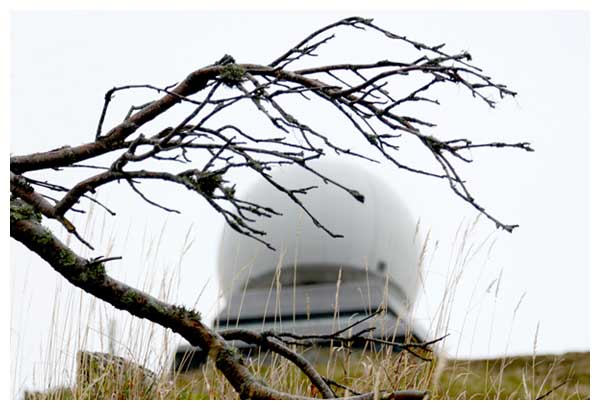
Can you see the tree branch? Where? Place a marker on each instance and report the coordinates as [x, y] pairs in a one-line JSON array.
[[362, 95], [255, 338], [91, 277]]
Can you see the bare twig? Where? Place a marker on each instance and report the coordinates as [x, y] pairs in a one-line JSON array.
[[553, 389]]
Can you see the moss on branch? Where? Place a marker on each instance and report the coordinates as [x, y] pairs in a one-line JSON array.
[[21, 210], [232, 74]]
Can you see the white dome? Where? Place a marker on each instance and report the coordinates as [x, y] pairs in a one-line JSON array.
[[380, 237]]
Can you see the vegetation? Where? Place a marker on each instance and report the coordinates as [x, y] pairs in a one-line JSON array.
[[557, 377], [106, 376]]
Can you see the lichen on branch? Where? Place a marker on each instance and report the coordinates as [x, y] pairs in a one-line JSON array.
[[232, 75]]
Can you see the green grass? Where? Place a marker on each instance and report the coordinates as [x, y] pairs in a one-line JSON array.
[[559, 377]]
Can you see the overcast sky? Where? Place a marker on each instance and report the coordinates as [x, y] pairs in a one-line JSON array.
[[533, 281]]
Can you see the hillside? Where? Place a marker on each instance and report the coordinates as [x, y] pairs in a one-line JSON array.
[[549, 377]]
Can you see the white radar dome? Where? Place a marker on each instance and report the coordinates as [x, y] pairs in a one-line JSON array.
[[314, 284], [380, 237]]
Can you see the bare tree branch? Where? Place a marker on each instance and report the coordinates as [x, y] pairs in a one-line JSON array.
[[203, 147], [263, 341]]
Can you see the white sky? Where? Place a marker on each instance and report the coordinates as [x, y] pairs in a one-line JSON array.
[[62, 63]]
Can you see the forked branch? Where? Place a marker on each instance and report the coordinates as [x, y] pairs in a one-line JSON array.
[[205, 145]]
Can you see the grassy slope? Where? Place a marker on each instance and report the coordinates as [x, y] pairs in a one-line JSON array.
[[517, 378], [564, 376], [509, 378]]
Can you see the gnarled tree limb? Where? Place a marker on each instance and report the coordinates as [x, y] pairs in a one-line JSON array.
[[360, 95], [91, 276]]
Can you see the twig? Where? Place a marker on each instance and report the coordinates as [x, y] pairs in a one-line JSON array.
[[252, 337], [549, 392], [104, 259], [332, 382]]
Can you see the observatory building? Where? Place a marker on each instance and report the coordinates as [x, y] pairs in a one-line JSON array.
[[313, 283]]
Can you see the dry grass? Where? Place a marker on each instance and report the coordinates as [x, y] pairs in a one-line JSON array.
[[561, 377], [527, 377]]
